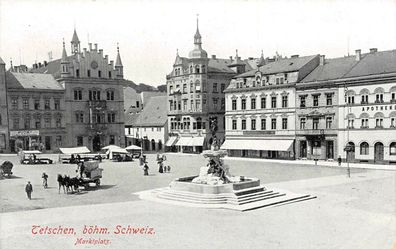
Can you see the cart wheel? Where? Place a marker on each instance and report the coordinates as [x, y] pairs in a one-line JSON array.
[[97, 182]]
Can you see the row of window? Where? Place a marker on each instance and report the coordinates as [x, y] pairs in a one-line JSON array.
[[37, 123], [365, 149], [315, 100], [97, 118], [36, 104], [263, 103], [379, 98], [315, 123], [264, 80], [88, 72], [177, 124], [182, 105], [196, 87], [93, 94], [379, 123], [263, 124]]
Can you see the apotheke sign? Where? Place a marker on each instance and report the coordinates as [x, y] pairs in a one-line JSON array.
[[25, 133]]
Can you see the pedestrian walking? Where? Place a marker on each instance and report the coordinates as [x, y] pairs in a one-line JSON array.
[[29, 190], [45, 182], [161, 167], [168, 168], [145, 169], [339, 160]]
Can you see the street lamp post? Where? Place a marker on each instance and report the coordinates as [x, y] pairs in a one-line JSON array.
[[348, 147]]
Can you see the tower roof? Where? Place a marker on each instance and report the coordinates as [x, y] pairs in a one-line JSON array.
[[261, 62], [64, 54], [118, 60], [197, 36], [75, 37], [198, 52]]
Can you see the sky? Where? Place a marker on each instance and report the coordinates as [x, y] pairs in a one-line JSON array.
[[150, 32]]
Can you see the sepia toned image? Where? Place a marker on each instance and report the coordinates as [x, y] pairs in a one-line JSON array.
[[198, 124]]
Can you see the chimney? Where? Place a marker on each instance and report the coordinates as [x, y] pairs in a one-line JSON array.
[[90, 46], [322, 60], [213, 56], [96, 46], [100, 51], [294, 56], [358, 54], [45, 63], [373, 50]]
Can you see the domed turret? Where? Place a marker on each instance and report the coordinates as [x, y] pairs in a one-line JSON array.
[[197, 52]]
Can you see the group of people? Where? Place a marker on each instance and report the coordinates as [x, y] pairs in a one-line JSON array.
[[160, 160], [29, 187]]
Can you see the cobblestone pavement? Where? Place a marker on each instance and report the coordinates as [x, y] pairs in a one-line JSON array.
[[356, 212]]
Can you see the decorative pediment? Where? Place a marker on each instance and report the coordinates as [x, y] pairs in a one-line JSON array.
[[273, 94], [243, 96], [315, 113], [284, 93], [263, 95], [233, 97], [253, 96]]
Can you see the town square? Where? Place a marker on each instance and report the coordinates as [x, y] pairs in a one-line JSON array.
[[197, 124]]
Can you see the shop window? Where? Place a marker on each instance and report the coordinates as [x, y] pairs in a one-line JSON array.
[[392, 149], [364, 148]]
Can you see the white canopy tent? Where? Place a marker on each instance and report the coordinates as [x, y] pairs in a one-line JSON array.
[[111, 147], [75, 150], [117, 151], [133, 147]]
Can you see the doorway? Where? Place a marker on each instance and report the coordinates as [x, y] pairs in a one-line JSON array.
[[330, 150], [351, 152], [96, 143], [303, 149], [378, 152]]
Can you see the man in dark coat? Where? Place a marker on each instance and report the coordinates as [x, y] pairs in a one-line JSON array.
[[29, 190]]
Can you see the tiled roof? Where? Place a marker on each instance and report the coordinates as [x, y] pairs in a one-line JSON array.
[[32, 81], [53, 67], [374, 63], [154, 113], [331, 70], [220, 66], [130, 117], [282, 65]]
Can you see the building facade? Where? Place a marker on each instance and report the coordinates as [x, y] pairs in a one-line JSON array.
[[367, 129], [94, 98], [196, 100], [149, 128], [36, 106], [260, 108], [4, 139]]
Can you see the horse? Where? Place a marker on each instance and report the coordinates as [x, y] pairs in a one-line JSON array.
[[61, 183]]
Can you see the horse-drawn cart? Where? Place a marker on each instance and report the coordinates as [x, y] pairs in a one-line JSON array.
[[6, 169], [91, 173]]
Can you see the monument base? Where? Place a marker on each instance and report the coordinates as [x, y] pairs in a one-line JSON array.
[[245, 195]]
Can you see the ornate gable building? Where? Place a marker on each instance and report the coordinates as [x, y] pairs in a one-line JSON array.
[[94, 96]]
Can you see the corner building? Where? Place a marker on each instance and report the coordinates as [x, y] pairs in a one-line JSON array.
[[196, 100]]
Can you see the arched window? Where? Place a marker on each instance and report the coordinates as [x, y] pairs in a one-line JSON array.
[[191, 69], [197, 69], [364, 148], [392, 149], [350, 97]]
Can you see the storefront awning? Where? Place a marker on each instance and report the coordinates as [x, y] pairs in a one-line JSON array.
[[197, 141], [171, 141], [274, 145], [184, 141]]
